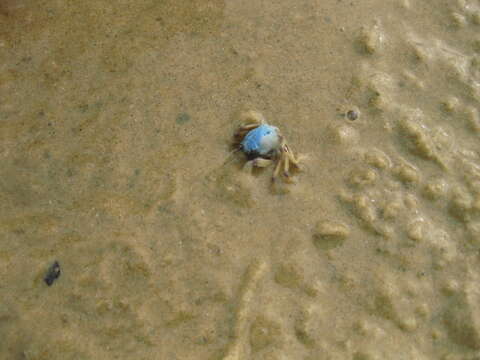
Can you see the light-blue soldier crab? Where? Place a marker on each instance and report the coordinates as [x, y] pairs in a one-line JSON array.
[[263, 144]]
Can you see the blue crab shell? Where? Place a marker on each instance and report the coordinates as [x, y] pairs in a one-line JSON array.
[[261, 141]]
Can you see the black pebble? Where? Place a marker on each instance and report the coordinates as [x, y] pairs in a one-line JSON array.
[[352, 115], [53, 273]]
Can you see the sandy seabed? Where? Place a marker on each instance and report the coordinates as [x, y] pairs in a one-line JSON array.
[[115, 124]]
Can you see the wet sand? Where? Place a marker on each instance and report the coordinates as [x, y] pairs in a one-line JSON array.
[[115, 126]]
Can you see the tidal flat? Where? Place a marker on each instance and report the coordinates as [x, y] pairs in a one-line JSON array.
[[128, 229]]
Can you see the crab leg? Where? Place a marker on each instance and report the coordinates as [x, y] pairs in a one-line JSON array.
[[258, 162], [278, 167], [261, 162], [253, 117], [293, 160], [290, 155], [243, 130], [286, 166], [248, 127]]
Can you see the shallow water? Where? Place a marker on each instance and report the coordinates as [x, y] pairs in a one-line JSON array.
[[115, 126]]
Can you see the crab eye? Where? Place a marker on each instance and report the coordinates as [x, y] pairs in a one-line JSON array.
[[268, 133]]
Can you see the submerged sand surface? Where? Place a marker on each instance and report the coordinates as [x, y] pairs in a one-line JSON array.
[[115, 123]]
